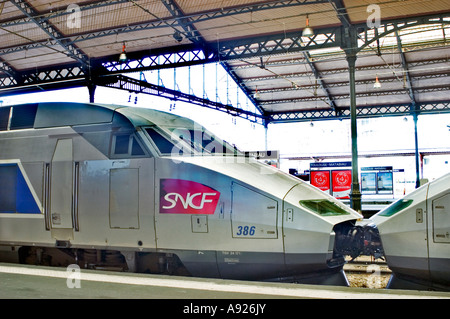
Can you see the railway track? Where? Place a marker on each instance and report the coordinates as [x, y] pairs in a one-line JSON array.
[[365, 264], [365, 272]]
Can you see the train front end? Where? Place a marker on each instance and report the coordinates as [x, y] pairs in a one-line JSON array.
[[229, 216], [415, 231]]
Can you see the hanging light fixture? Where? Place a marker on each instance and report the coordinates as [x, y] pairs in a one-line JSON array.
[[377, 83], [308, 31], [177, 36], [123, 55], [256, 96]]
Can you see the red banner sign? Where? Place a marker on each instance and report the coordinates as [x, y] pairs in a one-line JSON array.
[[321, 179], [342, 183]]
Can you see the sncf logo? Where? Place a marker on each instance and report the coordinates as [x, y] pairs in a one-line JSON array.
[[186, 197]]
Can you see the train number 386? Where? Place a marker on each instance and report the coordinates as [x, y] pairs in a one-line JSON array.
[[246, 231]]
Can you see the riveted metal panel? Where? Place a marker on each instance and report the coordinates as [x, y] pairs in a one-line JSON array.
[[124, 198], [62, 185]]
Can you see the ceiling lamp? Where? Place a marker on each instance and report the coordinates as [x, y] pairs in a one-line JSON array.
[[377, 83], [123, 55], [256, 96], [308, 31], [177, 36]]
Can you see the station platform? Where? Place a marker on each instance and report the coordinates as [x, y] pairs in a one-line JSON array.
[[35, 282]]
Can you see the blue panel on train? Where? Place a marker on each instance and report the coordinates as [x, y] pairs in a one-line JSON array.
[[15, 194]]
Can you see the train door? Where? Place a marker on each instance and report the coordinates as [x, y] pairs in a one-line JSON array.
[[441, 219], [439, 248], [61, 199]]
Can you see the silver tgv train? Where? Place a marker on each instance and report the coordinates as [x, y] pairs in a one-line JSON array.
[[415, 234], [142, 190]]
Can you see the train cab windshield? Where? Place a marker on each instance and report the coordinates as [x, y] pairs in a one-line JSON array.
[[189, 142], [398, 206]]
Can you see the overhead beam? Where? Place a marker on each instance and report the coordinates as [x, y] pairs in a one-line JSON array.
[[10, 71], [402, 109], [137, 86], [248, 93], [55, 13], [275, 44], [215, 52], [425, 89], [153, 23], [195, 36], [71, 49], [328, 98], [42, 79], [266, 45], [341, 12], [389, 79], [184, 22], [405, 68]]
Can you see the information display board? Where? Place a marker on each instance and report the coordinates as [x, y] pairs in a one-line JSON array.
[[377, 180]]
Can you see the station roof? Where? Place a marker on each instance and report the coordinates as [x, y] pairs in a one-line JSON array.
[[289, 77]]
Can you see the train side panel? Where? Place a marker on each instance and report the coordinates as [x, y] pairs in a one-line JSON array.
[[116, 205], [405, 241], [438, 209], [95, 185], [22, 171], [97, 203], [415, 237], [239, 236]]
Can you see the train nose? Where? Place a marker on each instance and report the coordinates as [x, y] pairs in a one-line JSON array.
[[356, 240]]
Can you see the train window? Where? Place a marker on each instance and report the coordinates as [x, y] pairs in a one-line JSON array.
[[396, 207], [23, 116], [323, 207], [136, 149], [122, 144], [183, 141], [164, 145], [4, 118], [202, 141], [15, 194], [126, 145], [17, 117]]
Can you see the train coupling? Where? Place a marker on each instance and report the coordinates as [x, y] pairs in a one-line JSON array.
[[356, 240]]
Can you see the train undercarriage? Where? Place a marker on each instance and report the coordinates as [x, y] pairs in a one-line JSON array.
[[350, 240], [111, 260]]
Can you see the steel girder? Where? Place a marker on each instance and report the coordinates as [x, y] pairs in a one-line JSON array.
[[137, 86], [69, 48], [245, 48], [362, 112], [197, 53]]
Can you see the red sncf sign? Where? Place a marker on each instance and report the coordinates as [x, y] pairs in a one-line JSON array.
[[179, 196]]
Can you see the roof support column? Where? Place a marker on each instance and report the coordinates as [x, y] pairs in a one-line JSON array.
[[355, 194], [415, 114], [349, 43], [350, 46], [91, 87]]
